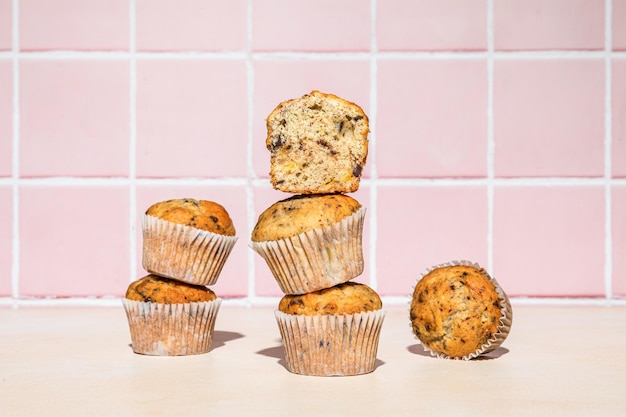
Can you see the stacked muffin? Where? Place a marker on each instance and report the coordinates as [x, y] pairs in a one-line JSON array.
[[312, 241], [171, 311]]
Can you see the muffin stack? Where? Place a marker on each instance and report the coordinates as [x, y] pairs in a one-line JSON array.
[[312, 241], [171, 311]]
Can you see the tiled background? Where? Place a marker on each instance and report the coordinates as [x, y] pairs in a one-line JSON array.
[[498, 135]]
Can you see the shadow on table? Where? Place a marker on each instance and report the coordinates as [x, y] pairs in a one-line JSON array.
[[278, 352], [220, 338], [418, 349]]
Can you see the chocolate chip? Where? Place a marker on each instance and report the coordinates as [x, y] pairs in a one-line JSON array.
[[356, 171]]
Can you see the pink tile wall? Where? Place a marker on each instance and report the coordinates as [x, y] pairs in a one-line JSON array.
[[497, 135], [6, 26], [6, 241], [6, 118]]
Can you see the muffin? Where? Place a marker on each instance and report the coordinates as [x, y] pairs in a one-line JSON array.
[[311, 242], [331, 332], [318, 144], [187, 239], [170, 318], [458, 311]]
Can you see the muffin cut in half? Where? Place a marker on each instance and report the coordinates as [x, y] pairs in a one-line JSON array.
[[318, 144]]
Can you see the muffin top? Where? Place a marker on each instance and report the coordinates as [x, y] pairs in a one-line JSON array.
[[346, 298], [201, 214], [302, 213], [153, 288], [455, 310]]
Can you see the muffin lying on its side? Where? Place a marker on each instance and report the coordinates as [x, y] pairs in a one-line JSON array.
[[187, 239], [334, 331], [168, 317], [459, 311], [311, 242]]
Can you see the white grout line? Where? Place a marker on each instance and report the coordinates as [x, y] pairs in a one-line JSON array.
[[15, 155], [132, 154], [608, 239], [373, 183], [250, 212], [491, 144]]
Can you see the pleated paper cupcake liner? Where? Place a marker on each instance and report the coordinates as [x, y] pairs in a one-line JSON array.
[[506, 320], [183, 252], [160, 329], [330, 345], [317, 259]]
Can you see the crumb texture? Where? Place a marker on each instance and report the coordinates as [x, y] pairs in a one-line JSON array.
[[318, 144], [455, 310], [201, 214], [346, 298]]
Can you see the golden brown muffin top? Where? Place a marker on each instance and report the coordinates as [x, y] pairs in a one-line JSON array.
[[153, 288], [455, 310], [201, 214], [301, 213], [346, 298]]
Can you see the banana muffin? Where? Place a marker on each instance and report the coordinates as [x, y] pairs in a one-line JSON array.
[[311, 242], [187, 239], [346, 298], [331, 332], [170, 318], [155, 289], [318, 144], [459, 311]]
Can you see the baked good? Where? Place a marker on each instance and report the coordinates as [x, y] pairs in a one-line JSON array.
[[318, 144], [334, 331], [170, 318], [311, 242], [155, 289], [186, 239], [346, 298], [459, 311]]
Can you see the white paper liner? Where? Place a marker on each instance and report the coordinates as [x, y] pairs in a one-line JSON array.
[[505, 321], [183, 252], [330, 345], [160, 329], [317, 259]]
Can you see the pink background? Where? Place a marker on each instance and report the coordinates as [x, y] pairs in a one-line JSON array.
[[498, 134]]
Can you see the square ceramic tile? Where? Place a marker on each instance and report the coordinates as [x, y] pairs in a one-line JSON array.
[[618, 13], [6, 240], [74, 118], [191, 118], [233, 280], [74, 24], [6, 24], [419, 227], [432, 118], [618, 223], [549, 241], [6, 118], [618, 117], [264, 197], [74, 241], [545, 25], [549, 118], [323, 25], [431, 25], [198, 25], [347, 79]]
